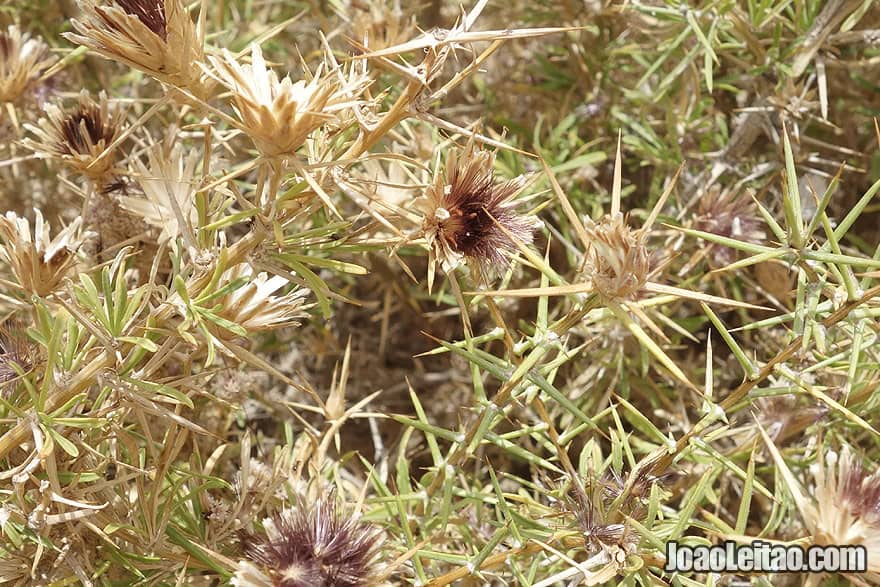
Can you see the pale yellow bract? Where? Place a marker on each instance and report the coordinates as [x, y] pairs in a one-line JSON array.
[[39, 262], [167, 48], [279, 114]]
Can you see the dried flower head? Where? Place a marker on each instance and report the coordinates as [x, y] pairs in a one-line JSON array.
[[253, 305], [157, 37], [169, 184], [311, 546], [468, 216], [842, 506], [279, 115], [22, 61], [79, 137], [600, 527], [725, 214], [618, 261], [847, 505], [38, 262]]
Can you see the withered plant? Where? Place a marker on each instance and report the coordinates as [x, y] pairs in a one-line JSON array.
[[371, 292]]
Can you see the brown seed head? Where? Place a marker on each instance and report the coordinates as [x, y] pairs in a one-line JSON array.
[[618, 260], [313, 546], [467, 215], [638, 487], [588, 501], [150, 12], [79, 137]]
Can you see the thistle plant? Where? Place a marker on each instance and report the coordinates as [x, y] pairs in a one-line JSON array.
[[310, 545], [168, 186], [467, 215], [363, 293]]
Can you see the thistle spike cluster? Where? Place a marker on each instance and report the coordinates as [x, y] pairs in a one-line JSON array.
[[310, 546], [468, 216], [618, 259], [254, 306], [602, 522]]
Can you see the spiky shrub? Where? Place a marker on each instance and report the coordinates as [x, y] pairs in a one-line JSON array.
[[213, 265]]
